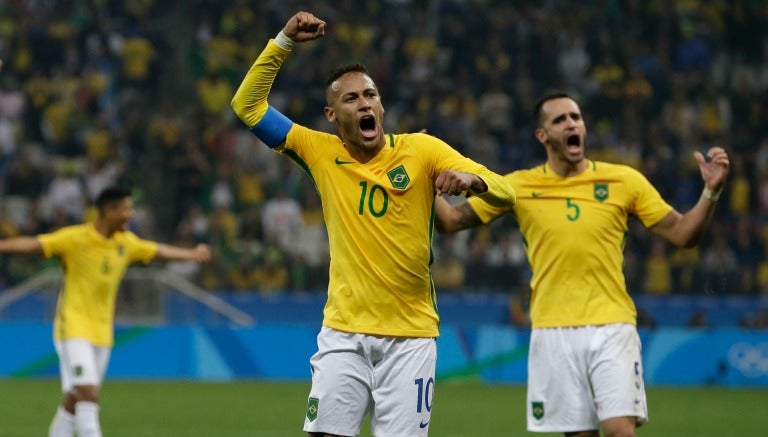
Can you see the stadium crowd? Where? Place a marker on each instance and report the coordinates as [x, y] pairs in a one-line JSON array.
[[96, 92]]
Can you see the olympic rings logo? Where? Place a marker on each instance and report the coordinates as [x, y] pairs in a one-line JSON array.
[[750, 360]]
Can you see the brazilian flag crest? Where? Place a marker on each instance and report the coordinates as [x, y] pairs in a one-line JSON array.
[[601, 192], [398, 177], [537, 408], [312, 405]]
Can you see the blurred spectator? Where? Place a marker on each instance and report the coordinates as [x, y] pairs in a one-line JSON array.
[[138, 58], [519, 308], [658, 271], [448, 273], [66, 194], [215, 93], [748, 250], [504, 257], [25, 177], [645, 319], [698, 320], [281, 219], [272, 274], [684, 263], [448, 269], [244, 273], [720, 266], [101, 174], [7, 229], [496, 110], [757, 320], [739, 188], [222, 188]]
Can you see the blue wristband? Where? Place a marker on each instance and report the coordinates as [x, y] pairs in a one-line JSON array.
[[273, 128]]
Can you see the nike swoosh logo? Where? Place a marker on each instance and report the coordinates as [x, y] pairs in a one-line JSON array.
[[340, 162], [423, 425], [535, 194]]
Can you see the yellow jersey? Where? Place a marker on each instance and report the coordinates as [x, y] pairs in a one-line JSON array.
[[379, 215], [93, 268], [574, 231]]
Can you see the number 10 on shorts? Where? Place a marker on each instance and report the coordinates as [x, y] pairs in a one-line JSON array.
[[424, 394]]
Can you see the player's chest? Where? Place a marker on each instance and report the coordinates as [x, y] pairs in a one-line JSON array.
[[585, 206], [391, 179], [103, 259]]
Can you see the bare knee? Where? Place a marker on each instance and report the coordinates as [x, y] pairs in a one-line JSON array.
[[87, 393], [68, 402]]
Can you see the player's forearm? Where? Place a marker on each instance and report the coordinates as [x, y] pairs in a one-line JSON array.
[[686, 230], [499, 193], [452, 218], [250, 100], [200, 253], [21, 245], [695, 222]]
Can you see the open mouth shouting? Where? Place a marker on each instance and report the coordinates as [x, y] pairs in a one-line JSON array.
[[573, 144], [368, 128]]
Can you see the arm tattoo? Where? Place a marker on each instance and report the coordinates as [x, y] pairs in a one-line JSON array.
[[467, 216]]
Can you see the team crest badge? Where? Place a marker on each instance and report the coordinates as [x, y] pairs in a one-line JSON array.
[[399, 177], [312, 407], [601, 192], [537, 408]]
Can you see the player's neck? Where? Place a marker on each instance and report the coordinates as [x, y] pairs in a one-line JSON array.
[[567, 169], [103, 228], [363, 154]]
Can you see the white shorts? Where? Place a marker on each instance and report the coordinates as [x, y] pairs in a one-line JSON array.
[[81, 363], [392, 377], [581, 376]]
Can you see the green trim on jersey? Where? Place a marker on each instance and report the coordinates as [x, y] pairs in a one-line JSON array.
[[293, 156]]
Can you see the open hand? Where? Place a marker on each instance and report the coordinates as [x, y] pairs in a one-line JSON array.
[[202, 253], [715, 170]]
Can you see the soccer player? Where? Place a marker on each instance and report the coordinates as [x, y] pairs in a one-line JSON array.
[[94, 257], [584, 368], [376, 348]]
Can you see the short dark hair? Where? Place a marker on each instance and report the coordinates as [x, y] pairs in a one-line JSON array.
[[341, 70], [540, 103], [112, 195]]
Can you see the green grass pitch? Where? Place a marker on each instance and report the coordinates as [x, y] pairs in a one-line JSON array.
[[276, 409]]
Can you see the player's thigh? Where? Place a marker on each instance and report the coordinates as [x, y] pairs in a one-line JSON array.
[[404, 387], [341, 385], [617, 373], [81, 363], [559, 397]]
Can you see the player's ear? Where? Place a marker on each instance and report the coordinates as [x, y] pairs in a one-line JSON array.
[[330, 114], [540, 135]]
